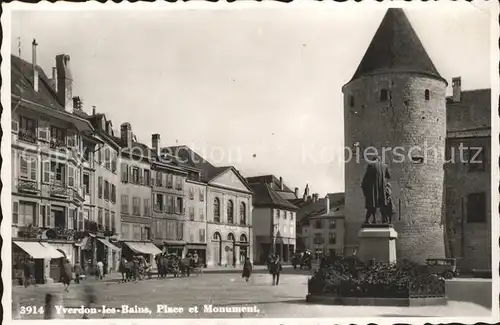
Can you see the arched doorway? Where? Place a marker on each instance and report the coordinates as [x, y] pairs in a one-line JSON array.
[[230, 250], [218, 248], [243, 248]]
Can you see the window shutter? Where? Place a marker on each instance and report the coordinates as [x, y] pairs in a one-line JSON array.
[[33, 169], [15, 212], [141, 176], [130, 174], [15, 126], [165, 208]]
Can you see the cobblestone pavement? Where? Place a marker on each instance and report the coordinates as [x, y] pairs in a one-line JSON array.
[[221, 290]]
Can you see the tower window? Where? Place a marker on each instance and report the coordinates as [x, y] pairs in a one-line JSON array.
[[384, 94], [351, 101], [427, 94]]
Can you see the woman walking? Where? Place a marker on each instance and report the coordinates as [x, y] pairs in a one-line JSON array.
[[66, 274], [247, 269]]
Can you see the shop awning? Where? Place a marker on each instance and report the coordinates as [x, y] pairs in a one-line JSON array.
[[143, 248], [107, 243], [196, 246], [85, 244], [39, 250]]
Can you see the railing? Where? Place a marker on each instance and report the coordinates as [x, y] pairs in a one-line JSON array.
[[78, 194], [59, 190], [51, 233], [27, 136], [57, 143], [25, 185]]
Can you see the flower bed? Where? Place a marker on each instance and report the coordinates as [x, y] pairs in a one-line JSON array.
[[347, 278]]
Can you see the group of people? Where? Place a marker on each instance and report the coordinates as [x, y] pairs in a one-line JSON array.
[[135, 269]]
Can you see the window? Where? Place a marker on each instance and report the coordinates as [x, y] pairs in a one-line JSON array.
[[331, 224], [284, 214], [318, 224], [80, 221], [159, 179], [27, 129], [136, 232], [125, 230], [25, 214], [107, 222], [427, 94], [113, 221], [351, 101], [202, 214], [476, 158], [191, 213], [179, 209], [318, 239], [107, 158], [99, 155], [124, 173], [147, 211], [202, 235], [291, 215], [86, 183], [216, 236], [136, 206], [99, 217], [145, 233], [28, 167], [71, 176], [170, 180], [135, 175], [57, 135], [216, 210], [191, 193], [384, 94], [100, 181], [114, 158], [179, 230], [147, 177], [178, 183], [476, 207], [243, 213], [230, 212], [277, 214], [124, 204], [230, 237], [202, 195], [159, 203], [113, 193], [106, 190], [331, 238]]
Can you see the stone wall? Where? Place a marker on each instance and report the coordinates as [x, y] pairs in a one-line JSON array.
[[405, 120]]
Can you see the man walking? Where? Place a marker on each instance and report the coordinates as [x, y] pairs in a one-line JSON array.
[[276, 269]]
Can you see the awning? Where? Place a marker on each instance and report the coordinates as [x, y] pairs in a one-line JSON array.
[[143, 248], [83, 242], [107, 243], [39, 250]]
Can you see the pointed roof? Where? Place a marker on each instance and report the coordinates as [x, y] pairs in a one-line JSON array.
[[396, 48]]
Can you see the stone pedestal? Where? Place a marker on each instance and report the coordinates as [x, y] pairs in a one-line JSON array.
[[377, 241]]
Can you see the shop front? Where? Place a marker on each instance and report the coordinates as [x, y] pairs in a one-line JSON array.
[[175, 247], [40, 254], [146, 249], [107, 252], [200, 249]]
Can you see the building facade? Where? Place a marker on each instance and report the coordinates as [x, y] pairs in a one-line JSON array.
[[196, 213], [396, 99], [468, 177], [47, 192], [273, 221]]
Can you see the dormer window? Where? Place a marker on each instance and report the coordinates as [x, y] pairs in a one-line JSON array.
[[427, 94], [384, 95]]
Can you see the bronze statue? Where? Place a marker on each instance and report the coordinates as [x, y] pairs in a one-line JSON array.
[[377, 191]]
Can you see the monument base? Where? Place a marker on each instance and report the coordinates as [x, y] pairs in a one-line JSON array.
[[377, 241]]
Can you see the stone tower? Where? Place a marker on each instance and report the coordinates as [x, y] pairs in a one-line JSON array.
[[396, 101]]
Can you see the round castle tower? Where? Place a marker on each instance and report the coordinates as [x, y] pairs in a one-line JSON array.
[[396, 101]]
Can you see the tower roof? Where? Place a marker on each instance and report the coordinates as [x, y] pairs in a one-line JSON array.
[[396, 48]]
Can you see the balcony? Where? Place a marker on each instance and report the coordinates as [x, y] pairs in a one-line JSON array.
[[26, 135], [50, 233], [59, 190], [57, 143], [78, 194], [27, 186]]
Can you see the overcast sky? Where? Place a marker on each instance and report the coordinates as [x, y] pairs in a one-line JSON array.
[[262, 86]]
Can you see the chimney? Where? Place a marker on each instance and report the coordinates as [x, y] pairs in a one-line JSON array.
[[155, 139], [35, 70], [54, 78], [281, 183], [457, 89], [327, 203], [126, 134], [93, 110], [297, 192], [315, 197], [64, 82]]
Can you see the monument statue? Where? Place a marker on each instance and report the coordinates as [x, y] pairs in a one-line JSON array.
[[377, 191]]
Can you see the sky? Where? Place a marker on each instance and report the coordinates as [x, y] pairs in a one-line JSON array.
[[259, 89]]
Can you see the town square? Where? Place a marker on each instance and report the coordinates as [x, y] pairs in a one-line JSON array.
[[159, 171]]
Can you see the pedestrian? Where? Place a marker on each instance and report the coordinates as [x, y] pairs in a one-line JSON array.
[[100, 269], [78, 271], [66, 273], [27, 273], [247, 269], [276, 269], [31, 264]]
